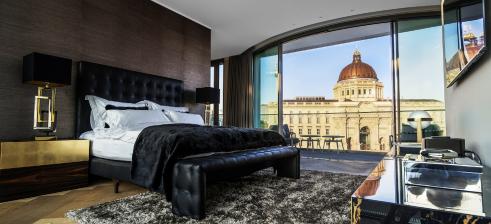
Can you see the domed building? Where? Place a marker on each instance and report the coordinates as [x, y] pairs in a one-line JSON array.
[[358, 82], [358, 113]]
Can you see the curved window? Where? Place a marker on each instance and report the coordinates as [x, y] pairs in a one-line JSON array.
[[332, 71], [421, 77]]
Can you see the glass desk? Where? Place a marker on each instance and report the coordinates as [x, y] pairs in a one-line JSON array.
[[402, 191]]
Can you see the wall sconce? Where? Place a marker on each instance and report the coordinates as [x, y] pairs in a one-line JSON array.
[[47, 72]]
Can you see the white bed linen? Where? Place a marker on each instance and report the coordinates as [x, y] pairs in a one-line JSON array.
[[117, 143], [127, 119], [128, 135], [109, 148], [112, 149], [113, 143], [98, 109], [184, 118], [119, 150]]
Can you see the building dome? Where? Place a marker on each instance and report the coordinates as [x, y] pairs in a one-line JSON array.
[[357, 69]]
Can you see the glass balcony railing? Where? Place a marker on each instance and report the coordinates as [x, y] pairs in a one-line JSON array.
[[432, 123], [211, 121], [367, 130]]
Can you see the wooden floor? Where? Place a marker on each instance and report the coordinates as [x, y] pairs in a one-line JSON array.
[[52, 208]]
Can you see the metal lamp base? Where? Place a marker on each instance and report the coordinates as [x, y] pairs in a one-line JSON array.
[[45, 138]]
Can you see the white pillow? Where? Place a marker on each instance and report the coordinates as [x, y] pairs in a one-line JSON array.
[[131, 119], [155, 106], [184, 118], [98, 106]]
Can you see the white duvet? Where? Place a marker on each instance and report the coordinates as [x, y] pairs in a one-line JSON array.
[[118, 143], [128, 135]]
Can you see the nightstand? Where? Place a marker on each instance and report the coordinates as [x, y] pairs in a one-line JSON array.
[[31, 168]]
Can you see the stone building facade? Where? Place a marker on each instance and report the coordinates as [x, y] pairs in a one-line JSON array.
[[359, 112]]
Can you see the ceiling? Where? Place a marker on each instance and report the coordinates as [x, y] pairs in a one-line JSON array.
[[337, 37], [237, 25]]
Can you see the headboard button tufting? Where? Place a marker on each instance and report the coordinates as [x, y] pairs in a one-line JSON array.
[[121, 85]]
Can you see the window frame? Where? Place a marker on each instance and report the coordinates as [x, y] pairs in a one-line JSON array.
[[216, 84], [390, 16]]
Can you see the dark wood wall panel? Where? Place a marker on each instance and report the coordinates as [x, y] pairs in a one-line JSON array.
[[132, 34]]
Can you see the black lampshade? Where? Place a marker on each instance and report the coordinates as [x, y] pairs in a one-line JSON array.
[[208, 95], [40, 69]]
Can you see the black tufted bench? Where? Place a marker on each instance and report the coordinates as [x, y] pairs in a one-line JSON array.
[[190, 176]]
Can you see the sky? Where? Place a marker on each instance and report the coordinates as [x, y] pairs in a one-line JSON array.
[[315, 72], [220, 82]]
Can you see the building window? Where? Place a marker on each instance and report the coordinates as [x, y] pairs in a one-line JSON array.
[[318, 120], [327, 131], [342, 93], [291, 119], [364, 91], [352, 92], [370, 91], [299, 119], [318, 131], [359, 91], [347, 92], [308, 119], [300, 131], [309, 131], [327, 119]]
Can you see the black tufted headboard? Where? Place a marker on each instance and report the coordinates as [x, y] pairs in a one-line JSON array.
[[121, 85]]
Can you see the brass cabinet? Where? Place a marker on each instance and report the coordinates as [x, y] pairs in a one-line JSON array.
[[38, 153], [30, 168]]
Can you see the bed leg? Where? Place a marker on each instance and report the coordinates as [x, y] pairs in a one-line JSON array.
[[116, 185]]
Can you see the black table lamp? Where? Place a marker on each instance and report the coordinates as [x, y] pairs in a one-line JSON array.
[[47, 72], [208, 95]]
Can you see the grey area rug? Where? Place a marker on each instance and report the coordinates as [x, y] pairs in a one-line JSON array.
[[317, 197]]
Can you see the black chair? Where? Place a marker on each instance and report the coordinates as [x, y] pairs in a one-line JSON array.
[[318, 142], [330, 140], [310, 142], [304, 140], [289, 137]]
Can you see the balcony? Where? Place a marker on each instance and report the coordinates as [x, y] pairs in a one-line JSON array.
[[370, 131]]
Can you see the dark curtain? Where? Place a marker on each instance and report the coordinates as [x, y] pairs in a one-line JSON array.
[[238, 87]]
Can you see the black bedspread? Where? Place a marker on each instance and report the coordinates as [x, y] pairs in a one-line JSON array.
[[159, 147]]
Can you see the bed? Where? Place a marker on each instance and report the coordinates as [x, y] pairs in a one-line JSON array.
[[118, 85], [170, 158]]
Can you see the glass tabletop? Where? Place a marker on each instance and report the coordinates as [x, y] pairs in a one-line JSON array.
[[391, 182]]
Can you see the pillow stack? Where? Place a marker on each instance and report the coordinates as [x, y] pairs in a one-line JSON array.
[[114, 114], [155, 106], [176, 114], [184, 118]]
